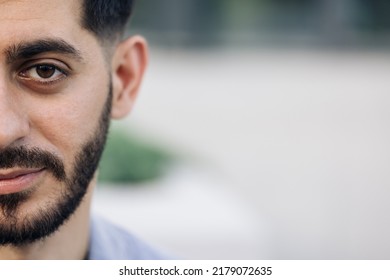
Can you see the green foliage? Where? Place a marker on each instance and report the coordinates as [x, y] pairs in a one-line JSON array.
[[127, 159]]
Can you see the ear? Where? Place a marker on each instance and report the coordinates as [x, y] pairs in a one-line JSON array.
[[128, 67]]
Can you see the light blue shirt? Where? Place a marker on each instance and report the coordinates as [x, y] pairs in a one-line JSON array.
[[110, 242]]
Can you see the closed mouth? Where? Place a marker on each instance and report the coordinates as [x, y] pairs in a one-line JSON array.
[[12, 181]]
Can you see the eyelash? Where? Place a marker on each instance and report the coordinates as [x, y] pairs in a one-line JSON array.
[[60, 71]]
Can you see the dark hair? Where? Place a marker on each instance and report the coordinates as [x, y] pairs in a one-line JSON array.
[[107, 19]]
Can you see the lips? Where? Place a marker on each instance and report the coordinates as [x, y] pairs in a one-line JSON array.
[[17, 173], [12, 181]]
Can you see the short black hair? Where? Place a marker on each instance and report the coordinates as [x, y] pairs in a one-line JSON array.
[[107, 19]]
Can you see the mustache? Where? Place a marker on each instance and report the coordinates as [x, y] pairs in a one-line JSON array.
[[24, 157]]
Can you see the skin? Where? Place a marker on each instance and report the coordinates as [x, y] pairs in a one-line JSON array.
[[60, 115]]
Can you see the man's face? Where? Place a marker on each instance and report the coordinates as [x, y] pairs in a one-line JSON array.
[[54, 109]]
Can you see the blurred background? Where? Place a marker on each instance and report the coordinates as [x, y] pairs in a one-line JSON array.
[[261, 131]]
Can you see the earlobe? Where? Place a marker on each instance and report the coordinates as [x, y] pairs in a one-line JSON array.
[[128, 67]]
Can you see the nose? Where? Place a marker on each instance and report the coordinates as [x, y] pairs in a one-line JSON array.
[[14, 124]]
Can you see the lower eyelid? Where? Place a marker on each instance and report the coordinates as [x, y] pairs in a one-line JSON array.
[[41, 85]]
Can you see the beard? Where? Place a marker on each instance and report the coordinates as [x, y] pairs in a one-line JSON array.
[[18, 231]]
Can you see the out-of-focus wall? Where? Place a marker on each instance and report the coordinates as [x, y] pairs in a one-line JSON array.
[[283, 23], [287, 103]]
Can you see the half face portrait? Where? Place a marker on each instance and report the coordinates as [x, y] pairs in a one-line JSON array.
[[62, 78]]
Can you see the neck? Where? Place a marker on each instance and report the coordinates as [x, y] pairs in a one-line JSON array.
[[70, 241]]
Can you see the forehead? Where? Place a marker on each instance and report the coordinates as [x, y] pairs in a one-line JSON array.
[[17, 13], [24, 20]]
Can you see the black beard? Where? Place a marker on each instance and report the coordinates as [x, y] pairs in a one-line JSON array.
[[33, 227]]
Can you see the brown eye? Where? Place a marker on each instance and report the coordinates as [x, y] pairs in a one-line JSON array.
[[45, 71]]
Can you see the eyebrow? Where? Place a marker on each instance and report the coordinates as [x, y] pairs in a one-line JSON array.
[[26, 50]]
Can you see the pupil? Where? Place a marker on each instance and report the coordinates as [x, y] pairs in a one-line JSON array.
[[45, 71]]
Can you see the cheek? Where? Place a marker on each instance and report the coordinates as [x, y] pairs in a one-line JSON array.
[[67, 122]]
